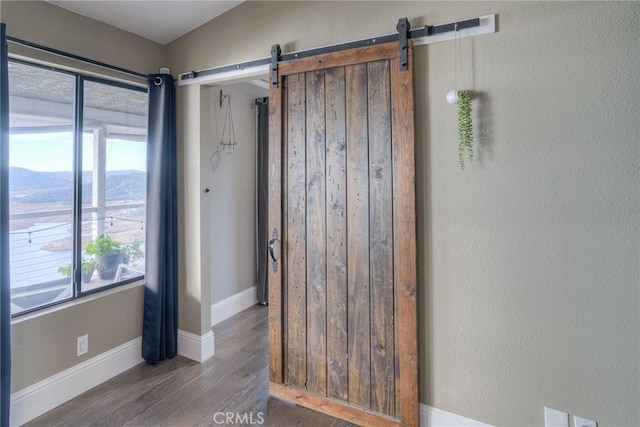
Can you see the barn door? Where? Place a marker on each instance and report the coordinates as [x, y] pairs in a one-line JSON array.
[[342, 284]]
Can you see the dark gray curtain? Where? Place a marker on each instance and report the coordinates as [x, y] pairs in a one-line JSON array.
[[5, 291], [160, 324], [262, 240]]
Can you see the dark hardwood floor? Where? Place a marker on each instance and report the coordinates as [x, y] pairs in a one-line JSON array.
[[180, 392]]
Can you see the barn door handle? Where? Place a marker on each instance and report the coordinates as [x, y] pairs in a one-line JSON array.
[[274, 249]]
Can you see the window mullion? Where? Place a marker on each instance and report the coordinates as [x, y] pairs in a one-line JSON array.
[[77, 186]]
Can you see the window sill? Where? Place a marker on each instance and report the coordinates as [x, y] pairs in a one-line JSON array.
[[74, 302]]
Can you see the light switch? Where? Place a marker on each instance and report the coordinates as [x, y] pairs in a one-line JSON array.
[[583, 422], [553, 418]]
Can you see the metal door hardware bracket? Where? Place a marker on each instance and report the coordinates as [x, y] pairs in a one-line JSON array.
[[275, 55], [403, 34]]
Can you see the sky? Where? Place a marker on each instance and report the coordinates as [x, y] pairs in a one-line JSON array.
[[53, 152]]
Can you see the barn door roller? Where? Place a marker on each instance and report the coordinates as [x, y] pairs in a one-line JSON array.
[[403, 35]]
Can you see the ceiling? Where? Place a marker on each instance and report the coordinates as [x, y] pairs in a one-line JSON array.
[[160, 21]]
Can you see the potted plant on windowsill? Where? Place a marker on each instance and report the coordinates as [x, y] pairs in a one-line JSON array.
[[132, 253], [108, 254], [89, 265]]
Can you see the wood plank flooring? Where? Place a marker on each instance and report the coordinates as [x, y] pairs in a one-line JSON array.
[[180, 392]]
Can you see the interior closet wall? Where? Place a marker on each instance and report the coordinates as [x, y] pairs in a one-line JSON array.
[[231, 196]]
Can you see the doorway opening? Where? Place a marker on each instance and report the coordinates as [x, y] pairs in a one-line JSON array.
[[238, 269]]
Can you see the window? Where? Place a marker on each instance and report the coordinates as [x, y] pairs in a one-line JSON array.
[[77, 184]]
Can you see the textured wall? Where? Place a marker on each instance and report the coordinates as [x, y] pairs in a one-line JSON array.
[[194, 255], [42, 23], [231, 198], [248, 31], [529, 259], [44, 343]]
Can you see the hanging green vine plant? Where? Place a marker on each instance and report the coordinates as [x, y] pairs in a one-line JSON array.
[[465, 127]]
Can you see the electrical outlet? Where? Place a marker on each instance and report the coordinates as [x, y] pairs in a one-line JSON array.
[[553, 418], [83, 345], [583, 422]]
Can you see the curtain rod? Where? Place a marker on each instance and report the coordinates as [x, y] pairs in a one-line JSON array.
[[76, 57]]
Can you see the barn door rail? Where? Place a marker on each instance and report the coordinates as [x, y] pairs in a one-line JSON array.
[[424, 35]]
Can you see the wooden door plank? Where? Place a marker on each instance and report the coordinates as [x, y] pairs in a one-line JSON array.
[[332, 407], [359, 330], [316, 235], [381, 238], [276, 367], [404, 231], [296, 232], [337, 350], [339, 59], [284, 221]]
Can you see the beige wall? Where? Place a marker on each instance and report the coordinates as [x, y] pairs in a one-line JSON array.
[[231, 199], [528, 260], [44, 343], [194, 246], [530, 257], [42, 23], [529, 279]]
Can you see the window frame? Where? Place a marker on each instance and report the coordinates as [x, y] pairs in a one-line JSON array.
[[76, 215]]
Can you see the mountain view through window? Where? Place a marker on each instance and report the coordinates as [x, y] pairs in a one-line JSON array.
[[77, 188]]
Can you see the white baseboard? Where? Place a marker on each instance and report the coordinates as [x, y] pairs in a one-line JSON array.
[[196, 347], [33, 401], [434, 417], [233, 305]]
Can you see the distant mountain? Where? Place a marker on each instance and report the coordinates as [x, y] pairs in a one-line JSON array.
[[27, 186], [21, 179], [126, 185]]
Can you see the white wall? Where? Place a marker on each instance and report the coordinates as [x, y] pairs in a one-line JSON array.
[[231, 196]]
